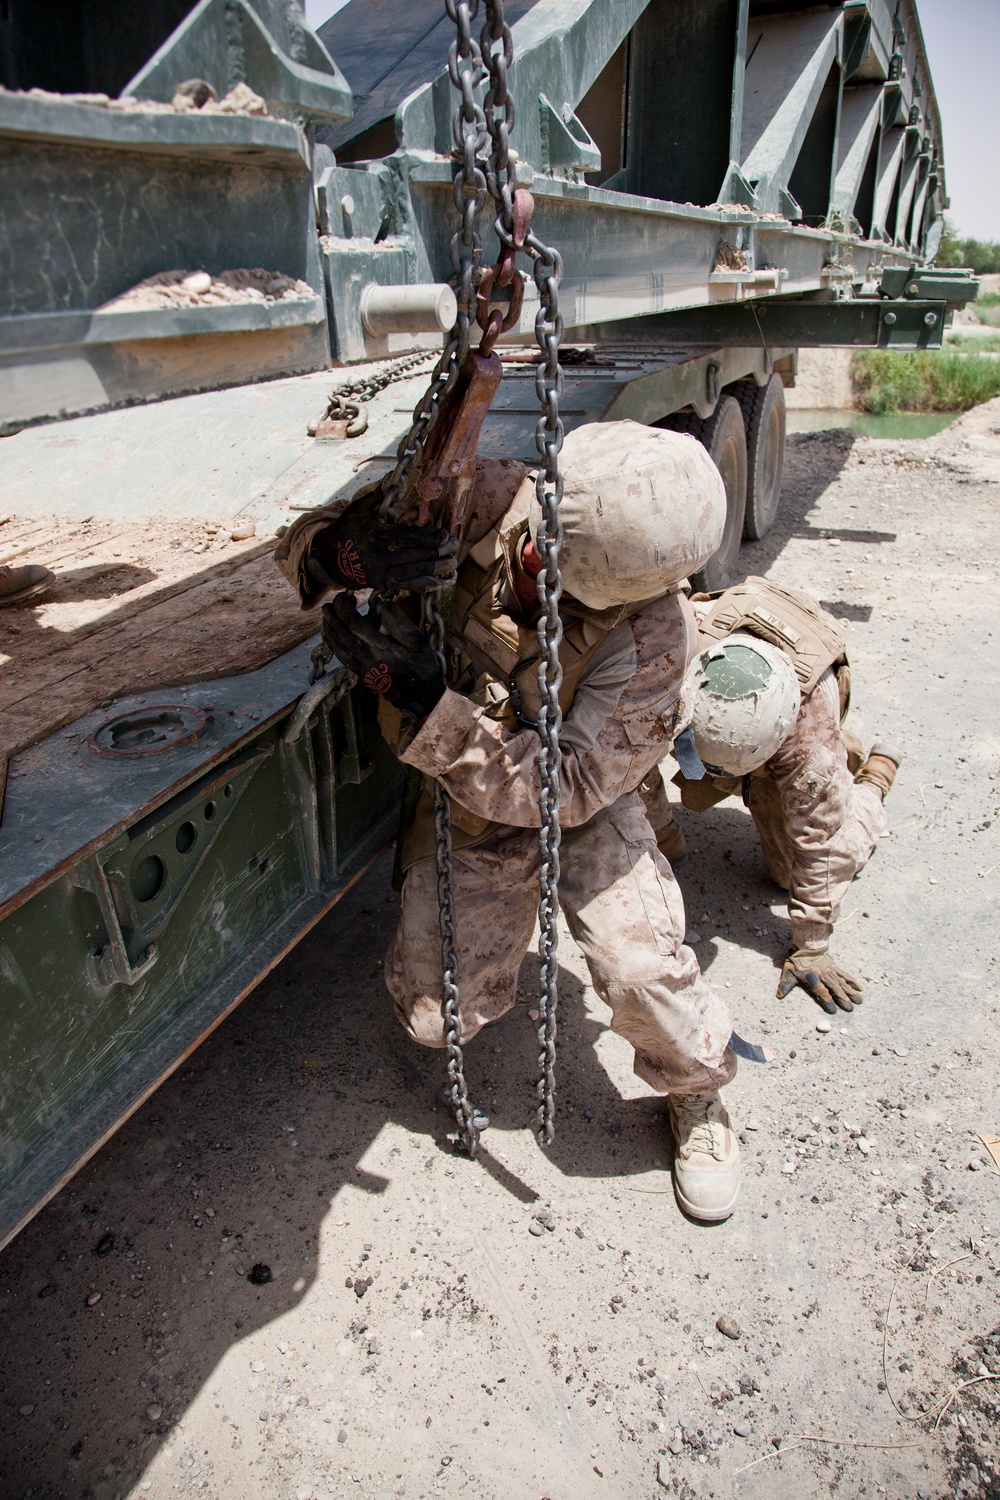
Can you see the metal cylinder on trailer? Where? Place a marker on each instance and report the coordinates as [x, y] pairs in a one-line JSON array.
[[428, 307]]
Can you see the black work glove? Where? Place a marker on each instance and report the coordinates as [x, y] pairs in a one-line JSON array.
[[397, 660], [824, 980], [359, 551]]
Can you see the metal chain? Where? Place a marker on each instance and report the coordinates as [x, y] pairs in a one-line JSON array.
[[345, 402], [501, 178], [498, 107], [465, 68], [548, 488], [473, 124]]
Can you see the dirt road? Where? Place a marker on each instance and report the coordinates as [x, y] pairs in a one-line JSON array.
[[278, 1282]]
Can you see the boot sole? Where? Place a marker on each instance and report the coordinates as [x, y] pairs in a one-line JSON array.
[[25, 595], [715, 1216]]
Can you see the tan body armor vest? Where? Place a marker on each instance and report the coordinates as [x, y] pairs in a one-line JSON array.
[[788, 619], [493, 661]]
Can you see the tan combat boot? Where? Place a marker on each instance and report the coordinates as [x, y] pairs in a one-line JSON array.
[[670, 842], [706, 1156], [18, 585], [880, 768]]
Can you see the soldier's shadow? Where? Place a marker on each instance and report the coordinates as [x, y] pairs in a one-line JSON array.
[[726, 886]]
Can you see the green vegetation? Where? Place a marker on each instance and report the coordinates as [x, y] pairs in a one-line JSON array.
[[886, 382], [987, 308], [975, 343], [982, 256]]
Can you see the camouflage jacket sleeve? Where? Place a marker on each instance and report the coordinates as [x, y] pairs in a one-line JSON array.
[[815, 789], [497, 482], [620, 724]]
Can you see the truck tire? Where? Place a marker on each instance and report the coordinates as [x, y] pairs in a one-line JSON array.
[[763, 409], [724, 435]]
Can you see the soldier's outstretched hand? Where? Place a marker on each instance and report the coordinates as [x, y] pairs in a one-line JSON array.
[[360, 551], [390, 654], [823, 979]]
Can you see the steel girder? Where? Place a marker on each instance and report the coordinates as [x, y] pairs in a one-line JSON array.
[[833, 105]]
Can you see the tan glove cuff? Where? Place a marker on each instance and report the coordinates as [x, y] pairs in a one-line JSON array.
[[811, 935]]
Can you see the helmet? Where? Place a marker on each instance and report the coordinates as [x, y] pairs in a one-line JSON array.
[[746, 703], [641, 509]]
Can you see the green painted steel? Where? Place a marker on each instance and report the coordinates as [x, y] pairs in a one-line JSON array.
[[143, 916], [677, 151], [802, 322]]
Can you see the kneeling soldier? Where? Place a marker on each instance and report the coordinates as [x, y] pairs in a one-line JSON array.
[[772, 689]]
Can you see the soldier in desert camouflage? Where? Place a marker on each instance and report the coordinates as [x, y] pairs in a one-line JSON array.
[[642, 508], [771, 690]]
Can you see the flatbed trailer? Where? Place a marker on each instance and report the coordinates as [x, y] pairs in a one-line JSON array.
[[726, 183]]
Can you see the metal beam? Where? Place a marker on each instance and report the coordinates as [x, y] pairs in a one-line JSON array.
[[788, 67], [860, 113], [792, 323]]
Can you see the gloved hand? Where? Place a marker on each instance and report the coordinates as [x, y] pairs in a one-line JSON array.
[[397, 661], [822, 978], [359, 551]]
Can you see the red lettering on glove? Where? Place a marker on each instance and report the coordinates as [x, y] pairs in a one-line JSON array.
[[349, 564], [379, 679]]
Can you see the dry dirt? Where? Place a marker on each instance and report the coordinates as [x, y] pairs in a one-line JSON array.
[[545, 1324]]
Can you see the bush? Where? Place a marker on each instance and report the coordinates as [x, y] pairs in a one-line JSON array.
[[982, 256], [886, 382]]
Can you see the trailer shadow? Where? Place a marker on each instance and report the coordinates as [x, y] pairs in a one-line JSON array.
[[813, 460]]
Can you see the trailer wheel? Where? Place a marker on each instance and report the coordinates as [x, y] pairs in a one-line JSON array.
[[724, 435], [763, 409]]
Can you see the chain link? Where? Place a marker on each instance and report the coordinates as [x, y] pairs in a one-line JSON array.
[[548, 542], [345, 402], [498, 107], [465, 69], [472, 125]]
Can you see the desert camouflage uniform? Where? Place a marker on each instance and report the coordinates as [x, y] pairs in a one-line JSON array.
[[618, 893]]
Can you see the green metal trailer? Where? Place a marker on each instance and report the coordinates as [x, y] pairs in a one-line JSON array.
[[727, 181]]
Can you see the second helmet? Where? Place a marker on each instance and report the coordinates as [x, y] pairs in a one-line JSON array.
[[746, 703]]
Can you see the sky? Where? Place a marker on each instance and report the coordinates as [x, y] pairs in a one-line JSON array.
[[963, 47]]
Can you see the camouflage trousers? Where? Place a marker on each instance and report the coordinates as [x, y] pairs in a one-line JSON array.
[[625, 911]]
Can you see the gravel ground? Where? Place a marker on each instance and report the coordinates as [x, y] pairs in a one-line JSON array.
[[278, 1281]]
